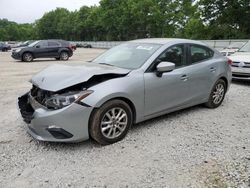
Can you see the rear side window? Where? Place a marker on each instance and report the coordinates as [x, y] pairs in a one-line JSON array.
[[53, 44], [200, 53]]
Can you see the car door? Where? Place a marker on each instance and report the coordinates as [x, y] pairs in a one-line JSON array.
[[53, 47], [41, 49], [200, 70], [170, 90]]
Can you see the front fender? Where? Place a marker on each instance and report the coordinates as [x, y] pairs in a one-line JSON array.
[[130, 87]]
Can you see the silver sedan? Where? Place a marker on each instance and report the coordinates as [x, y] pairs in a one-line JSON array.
[[127, 84]]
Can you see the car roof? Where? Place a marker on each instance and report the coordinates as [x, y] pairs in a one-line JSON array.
[[62, 42], [167, 40]]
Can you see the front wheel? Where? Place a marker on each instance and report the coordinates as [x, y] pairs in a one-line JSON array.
[[27, 57], [217, 94], [64, 56], [111, 122]]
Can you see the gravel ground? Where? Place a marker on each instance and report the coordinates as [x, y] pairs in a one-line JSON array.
[[196, 147]]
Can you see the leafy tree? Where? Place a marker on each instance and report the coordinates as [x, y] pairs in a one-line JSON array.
[[226, 19], [132, 19]]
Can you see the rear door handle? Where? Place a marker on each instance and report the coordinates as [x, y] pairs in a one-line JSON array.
[[212, 69], [184, 77]]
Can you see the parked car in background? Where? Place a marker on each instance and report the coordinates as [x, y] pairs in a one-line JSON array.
[[24, 44], [127, 84], [12, 44], [84, 45], [232, 48], [4, 47], [58, 49], [241, 63]]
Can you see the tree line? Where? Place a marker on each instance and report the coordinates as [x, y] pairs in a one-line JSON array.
[[121, 20]]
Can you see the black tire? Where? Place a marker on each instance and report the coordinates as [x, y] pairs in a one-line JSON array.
[[57, 58], [212, 102], [99, 131], [4, 50], [27, 57], [64, 56]]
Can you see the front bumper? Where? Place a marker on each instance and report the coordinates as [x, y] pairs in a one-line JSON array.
[[16, 55], [69, 124], [240, 73]]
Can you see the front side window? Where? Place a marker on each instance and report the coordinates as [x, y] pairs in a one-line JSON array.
[[128, 55], [33, 44], [174, 54], [43, 44], [200, 53]]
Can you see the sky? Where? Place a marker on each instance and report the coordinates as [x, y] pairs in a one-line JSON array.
[[27, 11]]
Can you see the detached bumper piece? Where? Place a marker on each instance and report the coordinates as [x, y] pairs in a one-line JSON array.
[[25, 108]]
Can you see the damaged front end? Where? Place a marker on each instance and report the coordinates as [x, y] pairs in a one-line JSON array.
[[57, 100], [55, 117], [60, 115], [62, 98], [25, 108]]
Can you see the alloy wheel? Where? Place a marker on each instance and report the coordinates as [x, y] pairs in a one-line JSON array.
[[114, 122], [218, 93], [64, 56], [28, 57]]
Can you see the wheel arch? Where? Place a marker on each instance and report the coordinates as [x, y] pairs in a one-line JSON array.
[[63, 50], [225, 80], [124, 99], [28, 52]]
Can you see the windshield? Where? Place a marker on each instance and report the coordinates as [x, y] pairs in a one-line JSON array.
[[245, 48], [128, 55], [33, 44]]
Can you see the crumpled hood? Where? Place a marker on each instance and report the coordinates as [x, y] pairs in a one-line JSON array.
[[57, 77], [240, 57]]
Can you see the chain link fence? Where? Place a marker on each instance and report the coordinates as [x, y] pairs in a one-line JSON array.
[[217, 44]]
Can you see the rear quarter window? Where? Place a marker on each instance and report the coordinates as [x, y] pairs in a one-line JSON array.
[[200, 53], [53, 44]]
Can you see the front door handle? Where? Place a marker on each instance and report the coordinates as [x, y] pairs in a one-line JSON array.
[[184, 77], [212, 69]]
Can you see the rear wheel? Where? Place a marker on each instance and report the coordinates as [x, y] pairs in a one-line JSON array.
[[111, 122], [4, 50], [27, 57], [57, 58], [217, 94], [64, 56]]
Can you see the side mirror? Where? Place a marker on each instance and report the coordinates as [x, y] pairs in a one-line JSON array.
[[164, 67], [38, 46]]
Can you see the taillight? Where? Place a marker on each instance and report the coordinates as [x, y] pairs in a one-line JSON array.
[[229, 61]]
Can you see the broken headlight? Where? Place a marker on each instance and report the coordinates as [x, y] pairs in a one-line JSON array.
[[62, 100]]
